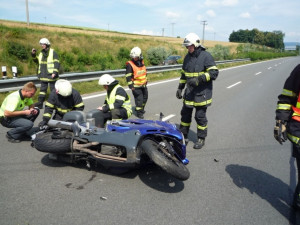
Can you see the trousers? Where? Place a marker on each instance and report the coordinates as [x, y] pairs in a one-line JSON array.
[[140, 97], [43, 90], [103, 117], [200, 117]]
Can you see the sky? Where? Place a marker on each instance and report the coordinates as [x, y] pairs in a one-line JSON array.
[[210, 19]]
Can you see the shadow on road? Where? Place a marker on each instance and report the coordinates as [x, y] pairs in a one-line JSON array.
[[159, 180], [149, 174], [270, 188]]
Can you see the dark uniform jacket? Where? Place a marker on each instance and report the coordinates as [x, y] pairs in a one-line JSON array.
[[198, 64], [286, 100], [120, 92], [62, 105]]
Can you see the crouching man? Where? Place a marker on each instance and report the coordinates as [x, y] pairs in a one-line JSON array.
[[117, 103], [17, 112]]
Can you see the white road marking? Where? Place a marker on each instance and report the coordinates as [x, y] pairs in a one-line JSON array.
[[234, 84], [269, 68], [168, 117], [127, 89], [257, 73]]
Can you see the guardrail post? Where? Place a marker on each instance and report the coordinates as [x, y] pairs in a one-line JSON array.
[[15, 71], [4, 76]]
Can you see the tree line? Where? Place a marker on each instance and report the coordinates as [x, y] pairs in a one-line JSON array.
[[270, 39]]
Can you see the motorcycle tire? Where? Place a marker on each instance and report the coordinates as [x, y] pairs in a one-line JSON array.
[[171, 165], [45, 143]]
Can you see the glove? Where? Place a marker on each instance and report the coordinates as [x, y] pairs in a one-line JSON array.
[[193, 82], [178, 94], [280, 133], [55, 75], [43, 125], [105, 108]]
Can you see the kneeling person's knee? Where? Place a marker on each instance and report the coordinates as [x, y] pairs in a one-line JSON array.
[[116, 114]]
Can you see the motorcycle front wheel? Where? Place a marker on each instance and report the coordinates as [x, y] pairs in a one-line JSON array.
[[167, 162]]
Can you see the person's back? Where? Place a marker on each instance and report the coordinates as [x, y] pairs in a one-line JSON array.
[[61, 100]]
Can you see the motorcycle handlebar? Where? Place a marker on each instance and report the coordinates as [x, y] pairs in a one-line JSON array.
[[60, 124]]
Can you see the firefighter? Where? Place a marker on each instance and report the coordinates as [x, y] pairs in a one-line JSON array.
[[136, 77], [197, 74], [287, 124], [117, 102], [17, 112], [48, 62], [62, 99]]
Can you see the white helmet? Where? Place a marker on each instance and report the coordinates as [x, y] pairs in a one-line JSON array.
[[136, 52], [63, 87], [44, 41], [191, 39], [106, 79]]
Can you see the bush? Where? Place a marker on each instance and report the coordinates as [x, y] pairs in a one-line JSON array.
[[102, 61], [84, 59], [123, 53], [123, 57], [156, 55], [220, 52], [17, 50], [66, 58]]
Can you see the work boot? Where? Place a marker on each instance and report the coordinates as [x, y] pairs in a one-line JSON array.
[[296, 201], [39, 105], [140, 115], [11, 139], [199, 144]]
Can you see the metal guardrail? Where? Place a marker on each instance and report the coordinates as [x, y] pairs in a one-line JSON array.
[[17, 83]]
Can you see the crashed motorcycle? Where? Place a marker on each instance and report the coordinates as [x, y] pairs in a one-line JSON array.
[[121, 144]]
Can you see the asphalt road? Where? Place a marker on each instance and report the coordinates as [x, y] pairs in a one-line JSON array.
[[241, 176]]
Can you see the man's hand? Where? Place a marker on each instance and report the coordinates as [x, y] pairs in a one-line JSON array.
[[33, 53], [280, 133], [33, 111], [178, 94]]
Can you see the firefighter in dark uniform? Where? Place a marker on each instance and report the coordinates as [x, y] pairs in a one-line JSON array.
[[117, 104], [61, 100], [48, 68], [288, 121], [136, 77], [198, 72]]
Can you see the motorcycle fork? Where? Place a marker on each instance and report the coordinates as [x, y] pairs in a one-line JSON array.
[[168, 149]]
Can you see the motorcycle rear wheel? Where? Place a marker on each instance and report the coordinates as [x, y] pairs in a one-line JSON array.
[[45, 143], [168, 163]]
